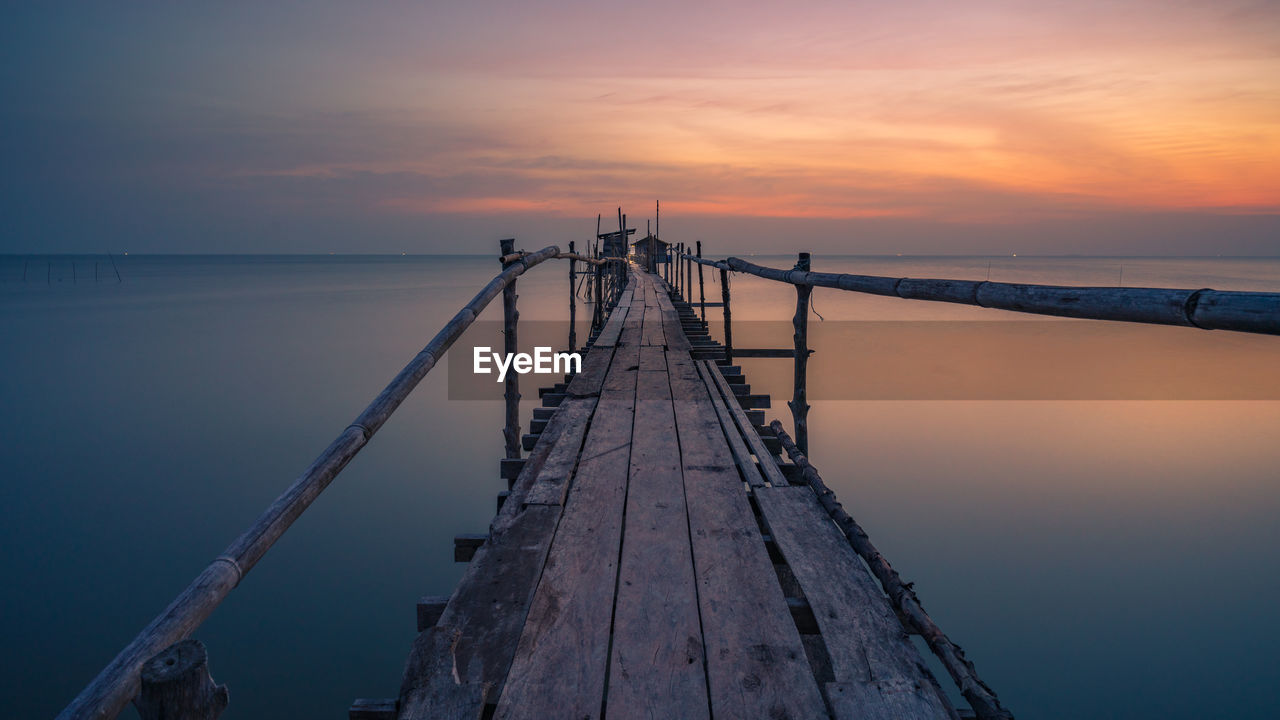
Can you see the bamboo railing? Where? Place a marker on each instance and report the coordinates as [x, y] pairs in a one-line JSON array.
[[118, 683], [1207, 309]]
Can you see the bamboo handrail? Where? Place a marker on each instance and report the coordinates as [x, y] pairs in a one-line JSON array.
[[562, 256], [118, 682], [981, 698], [1207, 309]]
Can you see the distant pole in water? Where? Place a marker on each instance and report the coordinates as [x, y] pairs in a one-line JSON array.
[[95, 271], [24, 270], [1121, 276], [113, 267], [73, 274]]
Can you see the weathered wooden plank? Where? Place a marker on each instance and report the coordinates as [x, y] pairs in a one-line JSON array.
[[878, 669], [433, 687], [676, 339], [608, 336], [745, 426], [430, 608], [656, 667], [488, 607], [729, 430], [654, 334], [756, 664], [595, 365], [560, 662], [465, 545], [553, 480], [372, 709], [890, 699]]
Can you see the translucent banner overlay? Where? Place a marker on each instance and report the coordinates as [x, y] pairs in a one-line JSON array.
[[954, 360]]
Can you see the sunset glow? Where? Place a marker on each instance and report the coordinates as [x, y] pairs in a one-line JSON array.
[[989, 113]]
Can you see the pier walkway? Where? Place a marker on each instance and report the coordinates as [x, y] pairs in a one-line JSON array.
[[654, 556], [653, 561]]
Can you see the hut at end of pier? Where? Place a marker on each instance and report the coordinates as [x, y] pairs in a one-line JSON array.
[[649, 252]]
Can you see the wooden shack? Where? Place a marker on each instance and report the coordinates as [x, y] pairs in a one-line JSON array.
[[649, 252]]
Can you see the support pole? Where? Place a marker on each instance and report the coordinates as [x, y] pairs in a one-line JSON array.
[[573, 301], [688, 284], [679, 267], [597, 315], [657, 234], [799, 399], [176, 685], [615, 288], [510, 316], [702, 293], [728, 316]]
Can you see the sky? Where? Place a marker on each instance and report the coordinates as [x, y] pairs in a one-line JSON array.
[[1088, 127]]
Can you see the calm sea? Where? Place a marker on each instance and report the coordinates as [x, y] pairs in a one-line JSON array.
[[1096, 558]]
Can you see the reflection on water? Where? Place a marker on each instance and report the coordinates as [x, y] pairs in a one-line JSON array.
[[1127, 548]]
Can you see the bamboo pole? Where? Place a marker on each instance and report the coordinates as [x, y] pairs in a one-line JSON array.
[[799, 403], [718, 264], [728, 316], [702, 293], [597, 312], [573, 299], [679, 286], [512, 257], [620, 269], [118, 682], [981, 698], [688, 285], [511, 394], [1207, 309]]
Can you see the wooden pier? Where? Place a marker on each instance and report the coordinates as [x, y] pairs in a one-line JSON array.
[[660, 551], [652, 561]]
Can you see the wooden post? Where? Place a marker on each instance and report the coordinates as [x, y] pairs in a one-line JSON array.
[[702, 294], [680, 272], [799, 399], [573, 301], [510, 316], [616, 268], [597, 315], [679, 267], [728, 316], [688, 285], [176, 685]]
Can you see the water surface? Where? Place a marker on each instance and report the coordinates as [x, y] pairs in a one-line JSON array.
[[1096, 558]]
